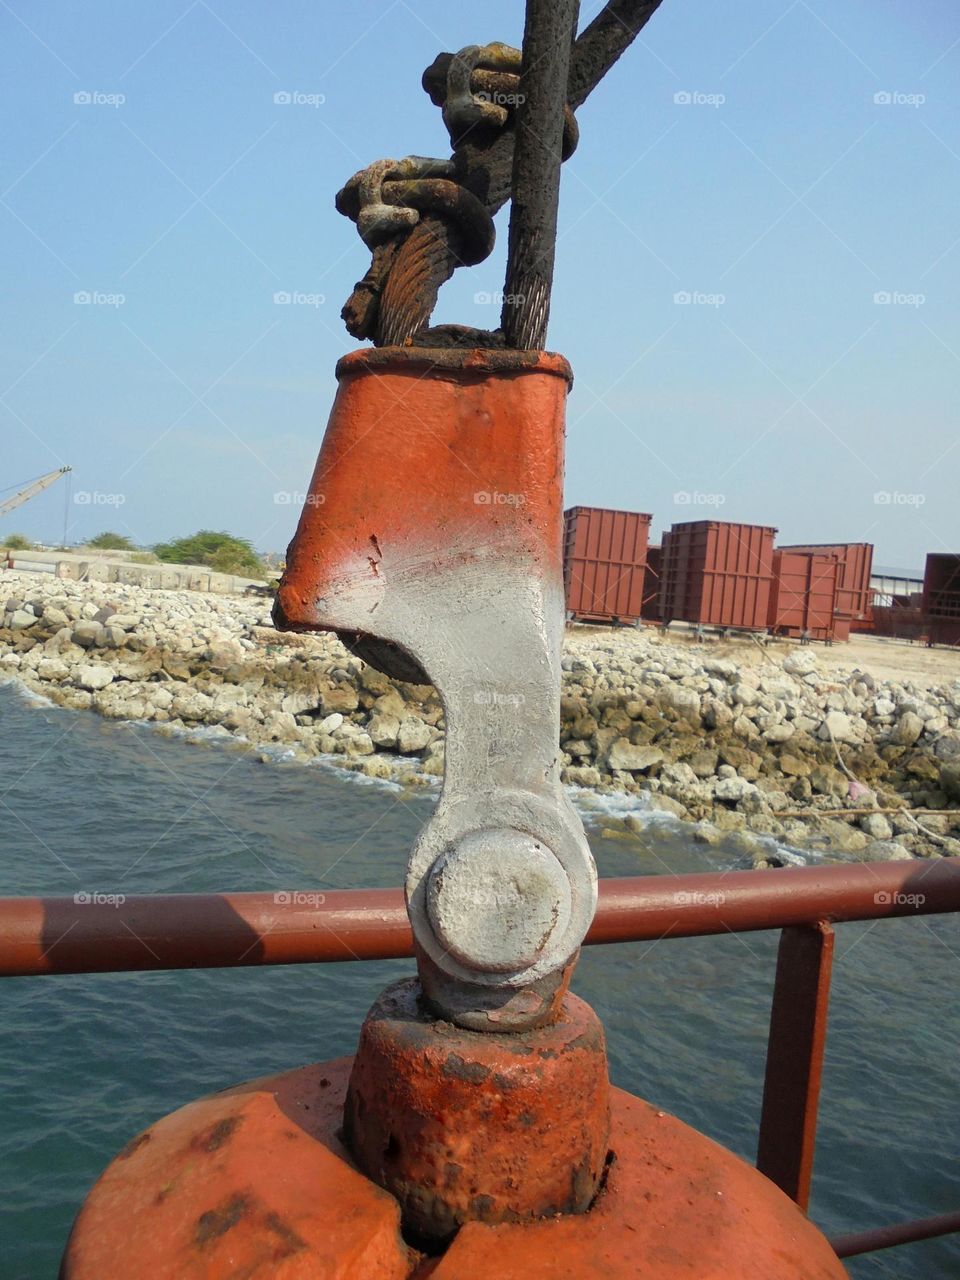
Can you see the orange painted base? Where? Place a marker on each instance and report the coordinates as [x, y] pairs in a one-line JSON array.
[[254, 1183]]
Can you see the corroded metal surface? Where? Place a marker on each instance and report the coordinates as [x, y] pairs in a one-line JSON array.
[[188, 931], [251, 1183], [675, 1206], [446, 561], [798, 1034], [463, 1126], [255, 1183]]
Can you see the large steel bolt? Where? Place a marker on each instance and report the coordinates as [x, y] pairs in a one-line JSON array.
[[496, 898]]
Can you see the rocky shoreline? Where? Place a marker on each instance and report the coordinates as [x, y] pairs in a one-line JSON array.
[[770, 747]]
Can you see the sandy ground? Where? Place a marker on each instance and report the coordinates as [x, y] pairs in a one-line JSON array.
[[896, 660]]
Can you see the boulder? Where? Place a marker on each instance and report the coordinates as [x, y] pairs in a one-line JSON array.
[[384, 730], [86, 633], [413, 735], [907, 729], [20, 619], [876, 826], [884, 851], [950, 779], [622, 754], [802, 662], [93, 676]]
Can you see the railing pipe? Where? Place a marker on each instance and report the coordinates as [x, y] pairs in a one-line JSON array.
[[187, 931]]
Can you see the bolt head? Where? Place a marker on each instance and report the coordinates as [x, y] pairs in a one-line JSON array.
[[496, 898]]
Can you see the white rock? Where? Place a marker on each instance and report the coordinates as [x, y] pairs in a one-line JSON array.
[[93, 676], [877, 826], [801, 662], [413, 735], [624, 755], [841, 727], [907, 730], [52, 669], [330, 723], [384, 730]]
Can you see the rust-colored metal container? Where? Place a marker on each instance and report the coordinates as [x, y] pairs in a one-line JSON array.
[[717, 573], [650, 605], [941, 585], [854, 593], [605, 554], [803, 595]]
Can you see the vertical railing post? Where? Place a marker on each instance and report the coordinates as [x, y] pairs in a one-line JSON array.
[[791, 1087]]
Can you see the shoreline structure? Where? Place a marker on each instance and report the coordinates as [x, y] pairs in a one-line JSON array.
[[773, 743]]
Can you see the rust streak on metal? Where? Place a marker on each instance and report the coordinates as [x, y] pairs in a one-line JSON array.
[[798, 1029], [186, 931]]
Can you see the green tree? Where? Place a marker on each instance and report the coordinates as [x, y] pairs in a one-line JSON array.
[[219, 551], [108, 541], [17, 542]]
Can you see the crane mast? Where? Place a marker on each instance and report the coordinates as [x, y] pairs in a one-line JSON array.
[[32, 489]]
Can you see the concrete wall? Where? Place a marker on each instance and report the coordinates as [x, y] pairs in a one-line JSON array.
[[90, 568]]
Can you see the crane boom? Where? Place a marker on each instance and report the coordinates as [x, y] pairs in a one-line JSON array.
[[32, 489]]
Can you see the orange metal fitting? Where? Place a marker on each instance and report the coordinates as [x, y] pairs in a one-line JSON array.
[[431, 541], [465, 1125], [255, 1182]]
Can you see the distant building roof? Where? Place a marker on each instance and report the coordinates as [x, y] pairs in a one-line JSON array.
[[904, 575]]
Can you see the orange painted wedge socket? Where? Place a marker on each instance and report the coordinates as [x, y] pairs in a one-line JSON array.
[[431, 542], [255, 1182]]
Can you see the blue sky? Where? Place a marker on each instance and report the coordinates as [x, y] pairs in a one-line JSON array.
[[814, 172]]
